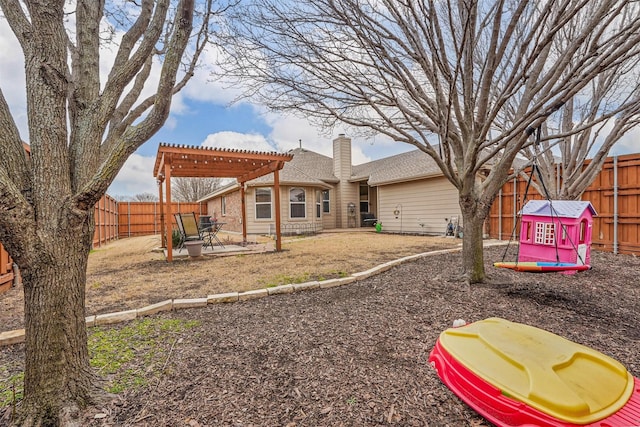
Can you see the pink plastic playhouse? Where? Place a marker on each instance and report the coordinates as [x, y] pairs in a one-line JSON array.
[[556, 230]]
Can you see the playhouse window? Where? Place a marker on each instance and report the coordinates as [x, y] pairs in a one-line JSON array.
[[545, 233], [526, 231], [583, 231]]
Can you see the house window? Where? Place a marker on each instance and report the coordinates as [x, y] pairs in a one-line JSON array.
[[545, 233], [318, 204], [223, 207], [364, 197], [325, 201], [297, 203], [263, 203]]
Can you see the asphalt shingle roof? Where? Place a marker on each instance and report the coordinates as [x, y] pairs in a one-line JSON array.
[[309, 167], [306, 167], [401, 167]]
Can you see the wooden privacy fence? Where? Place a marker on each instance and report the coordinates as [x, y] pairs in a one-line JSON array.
[[106, 218], [114, 220], [615, 194], [6, 270], [143, 218]]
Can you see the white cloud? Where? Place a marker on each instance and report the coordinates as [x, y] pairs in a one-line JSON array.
[[204, 87], [12, 77], [289, 132], [135, 177], [629, 143], [238, 141]]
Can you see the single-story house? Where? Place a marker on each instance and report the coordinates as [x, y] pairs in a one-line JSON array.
[[407, 193]]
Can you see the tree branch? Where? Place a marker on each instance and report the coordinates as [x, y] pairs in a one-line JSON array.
[[134, 136]]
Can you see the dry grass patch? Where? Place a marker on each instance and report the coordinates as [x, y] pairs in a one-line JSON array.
[[128, 273]]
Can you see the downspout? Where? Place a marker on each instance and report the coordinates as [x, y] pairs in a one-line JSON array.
[[615, 204]]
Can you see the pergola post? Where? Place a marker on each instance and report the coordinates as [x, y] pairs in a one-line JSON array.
[[168, 231], [244, 213], [276, 184], [163, 237]]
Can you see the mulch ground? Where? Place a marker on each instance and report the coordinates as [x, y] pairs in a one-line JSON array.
[[357, 355]]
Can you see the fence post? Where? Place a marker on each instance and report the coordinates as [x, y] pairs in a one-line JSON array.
[[500, 214], [128, 219], [117, 219], [615, 204], [515, 201]]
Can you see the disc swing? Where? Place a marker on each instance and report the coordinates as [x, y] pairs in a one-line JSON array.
[[555, 235]]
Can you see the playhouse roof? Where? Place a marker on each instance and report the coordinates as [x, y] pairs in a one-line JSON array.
[[561, 208]]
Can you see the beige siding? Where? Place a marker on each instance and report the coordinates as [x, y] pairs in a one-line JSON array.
[[329, 219], [258, 226], [264, 226], [426, 202], [347, 193]]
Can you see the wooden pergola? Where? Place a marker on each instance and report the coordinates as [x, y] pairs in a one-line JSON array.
[[203, 162]]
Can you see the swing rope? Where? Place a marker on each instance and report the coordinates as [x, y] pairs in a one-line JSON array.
[[536, 170]]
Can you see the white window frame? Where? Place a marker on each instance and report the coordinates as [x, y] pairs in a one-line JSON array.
[[223, 205], [327, 201], [292, 203], [545, 233], [319, 204], [264, 203]]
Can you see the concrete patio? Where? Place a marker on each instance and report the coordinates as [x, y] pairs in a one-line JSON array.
[[227, 250]]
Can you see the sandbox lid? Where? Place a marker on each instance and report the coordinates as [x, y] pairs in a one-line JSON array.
[[565, 380]]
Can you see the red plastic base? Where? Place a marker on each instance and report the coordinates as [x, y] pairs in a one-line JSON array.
[[503, 411]]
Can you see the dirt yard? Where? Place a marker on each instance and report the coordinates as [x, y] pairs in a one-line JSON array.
[[357, 355]]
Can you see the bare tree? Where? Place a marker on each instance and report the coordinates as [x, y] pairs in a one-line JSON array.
[[193, 189], [586, 127], [145, 197], [468, 74], [81, 131]]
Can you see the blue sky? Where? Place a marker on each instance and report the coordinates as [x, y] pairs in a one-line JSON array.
[[201, 114]]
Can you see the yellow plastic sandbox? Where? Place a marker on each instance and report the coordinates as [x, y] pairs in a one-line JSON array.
[[568, 381]]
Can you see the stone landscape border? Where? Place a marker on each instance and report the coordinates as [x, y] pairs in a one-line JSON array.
[[17, 336]]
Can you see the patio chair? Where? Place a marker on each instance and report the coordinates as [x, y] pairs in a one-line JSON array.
[[188, 228]]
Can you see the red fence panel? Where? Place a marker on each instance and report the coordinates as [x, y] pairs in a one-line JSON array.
[[6, 270], [143, 218], [106, 219]]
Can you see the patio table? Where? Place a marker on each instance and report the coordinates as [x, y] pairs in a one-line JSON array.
[[210, 232]]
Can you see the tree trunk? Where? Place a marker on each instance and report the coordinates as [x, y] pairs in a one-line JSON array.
[[474, 213], [472, 251], [58, 377]]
